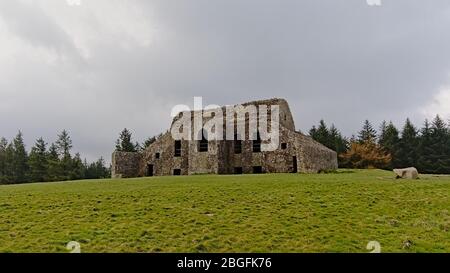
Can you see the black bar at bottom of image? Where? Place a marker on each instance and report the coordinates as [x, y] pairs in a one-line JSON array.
[[226, 262]]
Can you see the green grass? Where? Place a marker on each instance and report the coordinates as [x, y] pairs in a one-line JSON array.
[[338, 212]]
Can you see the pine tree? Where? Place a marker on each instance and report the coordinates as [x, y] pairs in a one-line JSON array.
[[3, 146], [20, 159], [97, 170], [64, 145], [389, 141], [367, 134], [87, 174], [313, 132], [124, 143], [8, 173], [54, 166], [440, 146], [331, 138], [38, 161], [102, 171], [118, 145], [149, 141], [137, 147], [408, 146], [77, 171], [425, 149], [322, 134], [339, 143], [382, 135]]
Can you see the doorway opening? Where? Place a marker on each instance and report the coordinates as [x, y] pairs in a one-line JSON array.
[[150, 170], [294, 165]]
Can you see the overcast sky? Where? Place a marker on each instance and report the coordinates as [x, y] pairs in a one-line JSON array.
[[96, 68]]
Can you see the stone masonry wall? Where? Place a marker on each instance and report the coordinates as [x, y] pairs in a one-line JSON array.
[[125, 165], [296, 152], [313, 156], [167, 162]]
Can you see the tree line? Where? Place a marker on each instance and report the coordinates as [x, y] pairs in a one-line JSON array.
[[125, 142], [44, 163], [426, 148]]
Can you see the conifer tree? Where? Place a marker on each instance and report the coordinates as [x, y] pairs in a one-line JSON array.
[[323, 134], [425, 149], [408, 146], [382, 134], [64, 145], [77, 171], [38, 161], [3, 146], [339, 143], [8, 174], [124, 143], [389, 141], [54, 166], [440, 146], [367, 134], [149, 141], [20, 160]]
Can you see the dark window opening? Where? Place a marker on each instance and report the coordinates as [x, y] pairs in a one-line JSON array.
[[294, 165], [149, 170], [157, 155], [177, 172], [257, 169], [177, 148], [257, 144], [203, 144], [283, 146], [238, 170], [237, 145]]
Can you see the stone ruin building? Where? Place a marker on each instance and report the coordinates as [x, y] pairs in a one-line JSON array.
[[296, 153]]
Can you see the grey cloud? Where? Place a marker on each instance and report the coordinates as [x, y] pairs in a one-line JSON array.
[[339, 60], [29, 22]]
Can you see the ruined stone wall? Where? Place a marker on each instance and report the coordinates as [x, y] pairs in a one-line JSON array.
[[294, 151], [281, 160], [167, 162], [125, 164], [278, 161], [286, 119], [313, 156], [203, 162]]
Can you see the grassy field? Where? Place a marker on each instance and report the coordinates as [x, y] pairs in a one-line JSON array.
[[338, 212]]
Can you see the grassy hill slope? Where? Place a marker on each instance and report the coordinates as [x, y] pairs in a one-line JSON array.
[[339, 212]]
